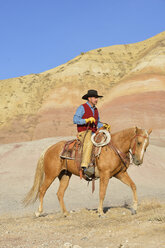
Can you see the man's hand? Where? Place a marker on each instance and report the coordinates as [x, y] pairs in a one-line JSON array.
[[90, 119], [107, 126]]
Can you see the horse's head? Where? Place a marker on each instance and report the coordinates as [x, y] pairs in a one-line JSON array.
[[139, 144]]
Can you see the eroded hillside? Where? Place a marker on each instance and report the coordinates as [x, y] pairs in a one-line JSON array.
[[36, 105]]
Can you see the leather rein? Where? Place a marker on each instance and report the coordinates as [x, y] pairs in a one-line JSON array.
[[124, 156]]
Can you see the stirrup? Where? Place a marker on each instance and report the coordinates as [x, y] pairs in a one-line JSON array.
[[89, 171]]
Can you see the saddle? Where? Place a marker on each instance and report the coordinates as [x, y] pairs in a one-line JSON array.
[[72, 150]]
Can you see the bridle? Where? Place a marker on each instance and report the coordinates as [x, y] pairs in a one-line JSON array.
[[134, 146], [123, 156]]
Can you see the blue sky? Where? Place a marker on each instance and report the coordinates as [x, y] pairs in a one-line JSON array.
[[37, 35]]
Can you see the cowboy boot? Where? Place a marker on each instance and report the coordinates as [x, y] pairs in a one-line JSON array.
[[89, 171]]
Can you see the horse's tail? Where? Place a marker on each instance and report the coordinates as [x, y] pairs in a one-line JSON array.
[[32, 195]]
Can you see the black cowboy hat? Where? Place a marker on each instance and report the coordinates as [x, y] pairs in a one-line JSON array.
[[91, 93]]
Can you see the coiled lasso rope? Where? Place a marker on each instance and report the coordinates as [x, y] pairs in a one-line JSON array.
[[103, 142]]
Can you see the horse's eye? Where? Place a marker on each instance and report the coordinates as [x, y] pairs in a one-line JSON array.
[[139, 143]]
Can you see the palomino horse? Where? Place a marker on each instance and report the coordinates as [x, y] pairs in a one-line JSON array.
[[109, 164]]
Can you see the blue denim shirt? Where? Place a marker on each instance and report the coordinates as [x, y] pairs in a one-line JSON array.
[[77, 119]]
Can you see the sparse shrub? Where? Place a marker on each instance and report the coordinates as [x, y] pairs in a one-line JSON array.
[[158, 218], [147, 205]]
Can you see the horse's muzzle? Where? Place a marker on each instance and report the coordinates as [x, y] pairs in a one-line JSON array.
[[136, 161]]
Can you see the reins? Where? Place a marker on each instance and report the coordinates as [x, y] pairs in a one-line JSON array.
[[123, 157]]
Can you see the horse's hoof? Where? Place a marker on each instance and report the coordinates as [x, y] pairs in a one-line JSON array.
[[66, 214], [102, 215], [37, 214], [133, 211]]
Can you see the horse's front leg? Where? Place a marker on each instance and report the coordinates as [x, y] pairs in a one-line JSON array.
[[125, 178], [104, 179]]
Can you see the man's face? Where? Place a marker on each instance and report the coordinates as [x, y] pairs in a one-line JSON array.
[[93, 100]]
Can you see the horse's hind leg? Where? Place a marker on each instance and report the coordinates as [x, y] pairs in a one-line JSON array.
[[125, 178], [46, 184], [64, 178], [104, 179]]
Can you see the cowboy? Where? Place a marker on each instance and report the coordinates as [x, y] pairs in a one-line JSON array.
[[88, 120]]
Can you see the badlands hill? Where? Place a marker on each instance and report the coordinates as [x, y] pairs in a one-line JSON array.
[[131, 78]]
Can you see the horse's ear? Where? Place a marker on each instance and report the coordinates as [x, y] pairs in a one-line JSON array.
[[136, 130], [150, 131]]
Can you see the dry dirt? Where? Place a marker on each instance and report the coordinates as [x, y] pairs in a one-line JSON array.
[[84, 228], [19, 228]]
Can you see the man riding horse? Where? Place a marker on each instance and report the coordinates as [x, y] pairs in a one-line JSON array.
[[88, 121], [113, 159]]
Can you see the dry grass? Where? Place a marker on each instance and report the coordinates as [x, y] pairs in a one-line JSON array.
[[147, 205], [160, 218]]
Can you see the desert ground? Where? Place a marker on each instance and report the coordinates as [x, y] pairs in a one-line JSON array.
[[19, 228]]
